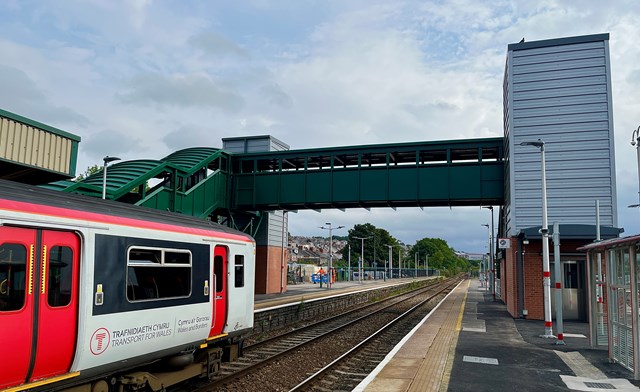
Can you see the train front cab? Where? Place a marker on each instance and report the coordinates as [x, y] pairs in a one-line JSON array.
[[38, 303]]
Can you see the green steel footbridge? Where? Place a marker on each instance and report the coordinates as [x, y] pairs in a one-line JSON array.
[[215, 184]]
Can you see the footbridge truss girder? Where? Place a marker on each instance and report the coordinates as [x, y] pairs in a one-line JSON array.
[[207, 182], [440, 173]]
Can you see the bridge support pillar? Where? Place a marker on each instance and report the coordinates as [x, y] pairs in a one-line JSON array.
[[269, 272]]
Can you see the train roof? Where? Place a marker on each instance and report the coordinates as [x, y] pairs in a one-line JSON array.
[[40, 196]]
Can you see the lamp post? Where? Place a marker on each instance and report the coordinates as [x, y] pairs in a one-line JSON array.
[[106, 160], [635, 141], [546, 274], [390, 261], [349, 263], [492, 264], [400, 263], [330, 272], [361, 255], [486, 263], [426, 262]]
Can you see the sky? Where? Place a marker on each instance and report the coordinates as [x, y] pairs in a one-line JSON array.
[[141, 79]]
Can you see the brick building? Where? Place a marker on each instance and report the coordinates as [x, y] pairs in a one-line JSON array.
[[521, 271], [558, 92]]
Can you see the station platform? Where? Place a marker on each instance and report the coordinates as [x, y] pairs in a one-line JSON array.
[[308, 291], [471, 343]]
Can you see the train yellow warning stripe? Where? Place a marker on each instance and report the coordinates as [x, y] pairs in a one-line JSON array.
[[51, 380]]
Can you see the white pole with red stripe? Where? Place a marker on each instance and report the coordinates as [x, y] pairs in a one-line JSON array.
[[546, 275], [558, 273]]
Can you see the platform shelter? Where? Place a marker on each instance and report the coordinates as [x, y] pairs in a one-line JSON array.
[[613, 275]]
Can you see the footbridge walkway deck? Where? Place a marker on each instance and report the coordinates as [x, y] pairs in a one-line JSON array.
[[208, 182]]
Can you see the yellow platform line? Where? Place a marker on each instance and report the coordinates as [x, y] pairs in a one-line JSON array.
[[434, 371], [446, 376]]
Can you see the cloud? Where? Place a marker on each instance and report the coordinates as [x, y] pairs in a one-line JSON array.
[[114, 143], [276, 96], [187, 136], [27, 99], [216, 45], [184, 91], [169, 75]]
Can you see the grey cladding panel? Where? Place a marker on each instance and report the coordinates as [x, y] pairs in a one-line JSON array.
[[561, 110], [570, 64], [236, 146], [559, 101], [556, 49], [562, 152], [258, 145], [557, 56], [561, 75], [569, 118], [582, 219], [275, 229], [567, 195], [584, 173], [253, 144], [558, 131], [522, 85], [566, 164], [554, 91], [276, 145]]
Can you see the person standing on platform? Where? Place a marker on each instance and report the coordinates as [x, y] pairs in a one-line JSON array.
[[321, 275]]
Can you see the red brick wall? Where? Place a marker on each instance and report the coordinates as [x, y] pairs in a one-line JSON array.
[[509, 279], [532, 278], [270, 274], [532, 275]]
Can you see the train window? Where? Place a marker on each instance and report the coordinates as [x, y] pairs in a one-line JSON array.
[[13, 263], [218, 268], [60, 276], [239, 271], [158, 274], [145, 256], [172, 257]]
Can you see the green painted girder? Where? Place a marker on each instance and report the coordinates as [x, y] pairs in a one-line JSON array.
[[58, 185], [194, 181], [193, 159], [203, 199], [123, 177], [200, 181], [440, 173], [194, 192]]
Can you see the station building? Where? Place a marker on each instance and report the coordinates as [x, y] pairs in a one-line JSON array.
[[558, 91]]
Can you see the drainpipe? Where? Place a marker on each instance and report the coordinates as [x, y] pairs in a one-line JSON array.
[[520, 272], [282, 262], [558, 273]]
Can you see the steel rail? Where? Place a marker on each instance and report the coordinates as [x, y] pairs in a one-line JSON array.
[[307, 383], [269, 357]]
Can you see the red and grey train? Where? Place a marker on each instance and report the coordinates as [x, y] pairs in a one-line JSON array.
[[90, 290]]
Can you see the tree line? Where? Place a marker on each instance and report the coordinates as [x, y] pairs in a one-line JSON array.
[[378, 242]]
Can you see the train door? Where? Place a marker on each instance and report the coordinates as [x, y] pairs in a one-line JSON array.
[[38, 303], [220, 290]]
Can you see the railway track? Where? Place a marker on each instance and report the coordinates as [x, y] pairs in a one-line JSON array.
[[282, 362], [348, 370]]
